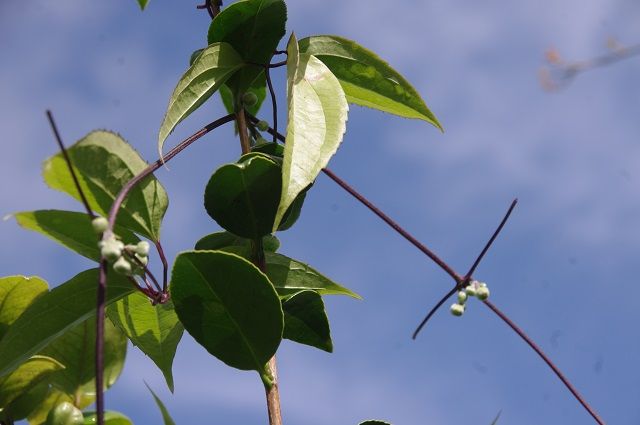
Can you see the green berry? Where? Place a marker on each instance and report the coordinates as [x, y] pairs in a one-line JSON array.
[[483, 293], [65, 414], [142, 249], [462, 297], [470, 290], [100, 224], [262, 125], [111, 249], [457, 309], [249, 99], [122, 266]]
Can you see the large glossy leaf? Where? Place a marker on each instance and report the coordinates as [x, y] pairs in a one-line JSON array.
[[154, 329], [76, 350], [70, 229], [228, 306], [16, 294], [209, 71], [253, 28], [317, 121], [110, 418], [104, 163], [23, 405], [55, 312], [366, 79], [29, 374], [243, 197], [166, 417], [306, 322], [220, 240]]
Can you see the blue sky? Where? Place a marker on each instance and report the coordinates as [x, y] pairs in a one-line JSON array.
[[564, 269]]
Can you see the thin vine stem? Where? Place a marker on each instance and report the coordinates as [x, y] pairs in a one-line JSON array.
[[274, 103], [546, 359], [433, 311]]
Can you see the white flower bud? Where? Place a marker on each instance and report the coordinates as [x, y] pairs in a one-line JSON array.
[[100, 224], [142, 249], [482, 293], [122, 266], [111, 249], [471, 290], [457, 309]]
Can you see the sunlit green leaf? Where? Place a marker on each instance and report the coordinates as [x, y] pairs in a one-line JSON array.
[[16, 294], [209, 71], [253, 28], [366, 79], [23, 405], [55, 312], [70, 229], [317, 121], [220, 240], [166, 417], [110, 418], [76, 350], [104, 163], [52, 399], [228, 306], [305, 320], [154, 329], [30, 373], [243, 197]]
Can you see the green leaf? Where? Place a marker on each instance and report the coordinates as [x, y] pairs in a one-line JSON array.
[[317, 121], [16, 294], [290, 276], [254, 28], [228, 306], [166, 417], [52, 399], [76, 350], [374, 422], [366, 79], [27, 402], [143, 4], [70, 229], [104, 163], [209, 71], [306, 322], [30, 373], [155, 329], [110, 418], [55, 312], [243, 197], [220, 240]]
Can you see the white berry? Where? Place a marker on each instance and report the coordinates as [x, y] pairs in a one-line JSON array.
[[482, 293], [462, 297], [457, 309], [122, 266], [142, 249], [100, 224]]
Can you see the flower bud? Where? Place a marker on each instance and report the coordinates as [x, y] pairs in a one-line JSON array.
[[457, 309], [100, 224], [111, 249], [262, 125], [462, 297], [470, 290], [122, 266], [142, 249], [249, 99], [482, 293]]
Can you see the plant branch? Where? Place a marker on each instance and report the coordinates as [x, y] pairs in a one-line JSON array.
[[433, 311], [273, 394], [212, 6], [67, 159], [546, 359], [165, 265], [243, 132], [99, 358]]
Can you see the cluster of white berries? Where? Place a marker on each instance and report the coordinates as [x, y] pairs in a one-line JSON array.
[[116, 252], [476, 289]]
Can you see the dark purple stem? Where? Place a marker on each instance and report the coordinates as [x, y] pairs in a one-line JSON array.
[[433, 311], [115, 207], [99, 359], [165, 265], [546, 359], [274, 104], [72, 171]]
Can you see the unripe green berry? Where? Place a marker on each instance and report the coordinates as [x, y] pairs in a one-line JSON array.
[[470, 290], [142, 249], [462, 297], [249, 99], [65, 414], [262, 125], [482, 293], [457, 309], [111, 249], [100, 224], [122, 266]]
